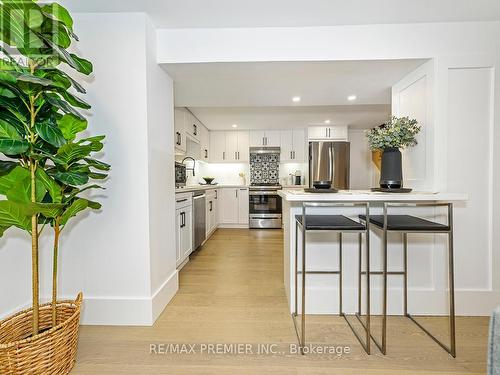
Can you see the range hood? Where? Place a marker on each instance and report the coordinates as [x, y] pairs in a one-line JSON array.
[[265, 150]]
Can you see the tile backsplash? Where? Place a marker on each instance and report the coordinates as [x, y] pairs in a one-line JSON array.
[[264, 168]]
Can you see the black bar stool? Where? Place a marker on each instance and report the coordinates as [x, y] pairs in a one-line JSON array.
[[338, 224], [410, 224]]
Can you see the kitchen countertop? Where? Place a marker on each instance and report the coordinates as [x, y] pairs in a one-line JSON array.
[[294, 195], [192, 188]]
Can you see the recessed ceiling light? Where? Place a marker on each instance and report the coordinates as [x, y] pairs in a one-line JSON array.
[[328, 121], [234, 125], [296, 99], [352, 97]]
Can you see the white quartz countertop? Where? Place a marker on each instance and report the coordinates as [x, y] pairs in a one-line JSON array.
[[188, 189], [369, 196]]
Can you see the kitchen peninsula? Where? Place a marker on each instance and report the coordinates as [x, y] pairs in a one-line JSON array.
[[322, 249]]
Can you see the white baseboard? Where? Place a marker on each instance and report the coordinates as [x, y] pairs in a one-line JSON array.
[[233, 226], [138, 311], [164, 294]]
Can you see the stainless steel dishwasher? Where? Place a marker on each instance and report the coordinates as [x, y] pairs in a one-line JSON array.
[[199, 214]]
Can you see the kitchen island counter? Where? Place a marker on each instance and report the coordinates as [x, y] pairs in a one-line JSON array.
[[322, 249]]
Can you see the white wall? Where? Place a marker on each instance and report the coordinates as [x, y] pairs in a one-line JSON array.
[[362, 168], [160, 120], [117, 256]]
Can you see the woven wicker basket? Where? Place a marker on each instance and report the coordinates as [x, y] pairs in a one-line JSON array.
[[51, 352]]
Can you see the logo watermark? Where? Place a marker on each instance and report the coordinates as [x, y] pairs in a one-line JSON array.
[[246, 349]]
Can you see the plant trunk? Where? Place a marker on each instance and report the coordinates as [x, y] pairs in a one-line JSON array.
[[57, 232], [34, 252]]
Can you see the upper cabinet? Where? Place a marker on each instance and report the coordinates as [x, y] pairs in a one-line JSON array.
[[191, 137], [193, 126], [334, 133], [180, 115], [229, 146], [293, 145], [204, 143], [265, 138]]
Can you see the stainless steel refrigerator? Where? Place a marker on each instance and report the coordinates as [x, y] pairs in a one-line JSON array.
[[329, 163]]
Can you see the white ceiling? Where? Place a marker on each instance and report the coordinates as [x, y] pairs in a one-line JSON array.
[[294, 13], [222, 118], [267, 84]]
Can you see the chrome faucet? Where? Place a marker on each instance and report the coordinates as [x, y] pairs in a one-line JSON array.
[[194, 164]]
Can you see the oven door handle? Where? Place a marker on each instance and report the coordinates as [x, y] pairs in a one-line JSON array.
[[267, 193]]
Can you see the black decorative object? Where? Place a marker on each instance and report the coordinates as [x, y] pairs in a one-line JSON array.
[[321, 191], [391, 174], [401, 190]]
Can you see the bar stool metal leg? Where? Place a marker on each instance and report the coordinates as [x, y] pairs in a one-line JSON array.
[[405, 271], [384, 303], [451, 274], [296, 268], [340, 275], [303, 328], [360, 252]]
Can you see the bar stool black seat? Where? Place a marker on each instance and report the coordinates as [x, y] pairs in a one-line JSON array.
[[330, 222], [411, 224], [406, 223], [339, 224]]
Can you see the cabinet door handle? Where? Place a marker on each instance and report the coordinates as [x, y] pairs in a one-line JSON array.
[[326, 132], [236, 191], [329, 133], [206, 154], [263, 141], [239, 155], [182, 200], [235, 156], [216, 194], [195, 129], [223, 155], [210, 206], [291, 155]]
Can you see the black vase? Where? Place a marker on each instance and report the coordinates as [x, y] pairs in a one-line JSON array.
[[391, 174]]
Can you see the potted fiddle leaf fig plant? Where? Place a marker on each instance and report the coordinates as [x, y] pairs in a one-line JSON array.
[[389, 139], [46, 165]]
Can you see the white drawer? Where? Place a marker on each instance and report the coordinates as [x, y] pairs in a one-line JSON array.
[[183, 200]]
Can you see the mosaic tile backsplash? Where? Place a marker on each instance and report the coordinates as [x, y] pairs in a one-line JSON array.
[[264, 168]]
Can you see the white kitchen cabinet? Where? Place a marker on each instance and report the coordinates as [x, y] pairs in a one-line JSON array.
[[228, 206], [192, 126], [229, 146], [204, 143], [184, 227], [217, 147], [293, 146], [233, 206], [334, 133], [211, 211], [265, 138], [180, 115], [243, 206]]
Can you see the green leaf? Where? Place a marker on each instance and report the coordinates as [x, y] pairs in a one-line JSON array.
[[7, 76], [21, 191], [72, 99], [77, 206], [34, 79], [62, 105], [50, 133], [49, 210], [51, 185], [59, 13], [13, 147], [71, 152], [6, 167], [79, 191], [14, 214], [7, 131], [97, 176], [71, 125], [99, 165], [83, 66], [71, 178], [10, 176]]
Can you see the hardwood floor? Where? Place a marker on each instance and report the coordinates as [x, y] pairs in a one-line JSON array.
[[232, 292]]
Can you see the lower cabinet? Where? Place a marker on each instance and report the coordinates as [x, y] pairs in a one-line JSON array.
[[184, 229], [233, 206], [212, 216]]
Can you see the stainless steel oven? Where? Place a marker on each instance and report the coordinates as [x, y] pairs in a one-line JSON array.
[[265, 207]]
